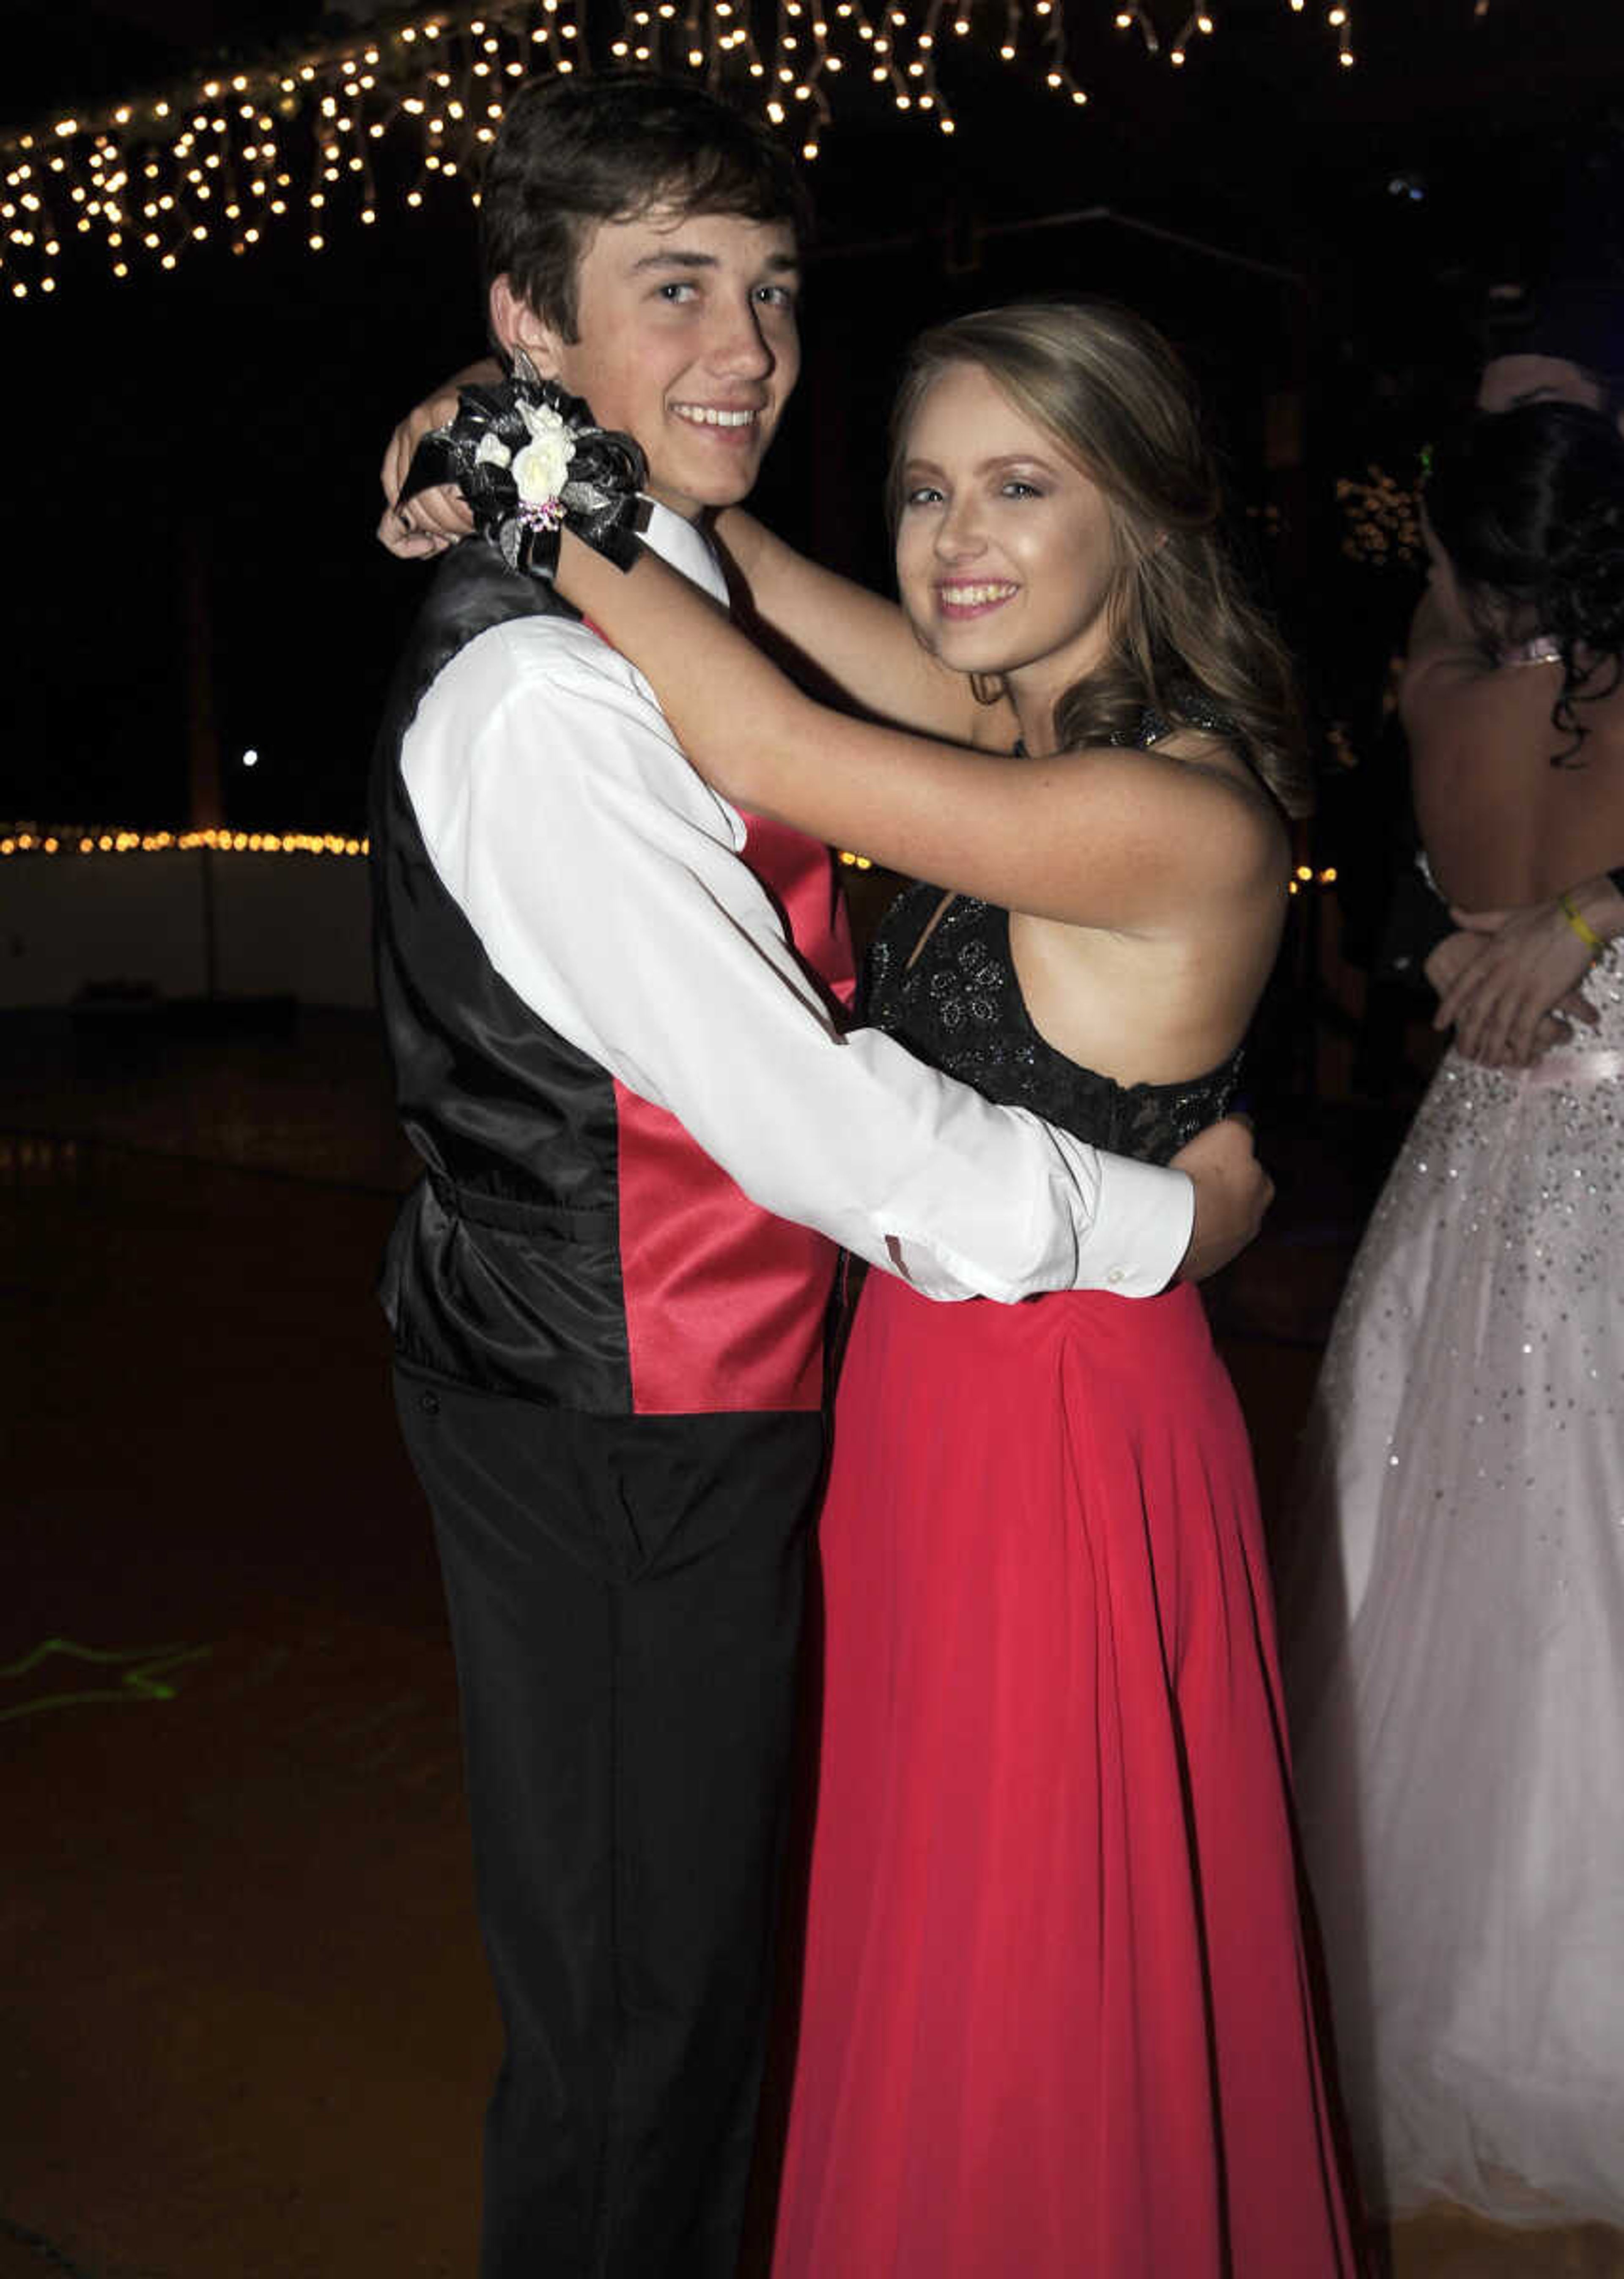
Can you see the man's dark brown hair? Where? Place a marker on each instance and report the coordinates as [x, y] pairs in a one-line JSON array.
[[571, 153]]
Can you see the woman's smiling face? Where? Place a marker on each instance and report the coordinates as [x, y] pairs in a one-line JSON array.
[[1007, 553]]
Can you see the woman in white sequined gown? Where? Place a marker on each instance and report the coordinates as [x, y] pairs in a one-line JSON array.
[[1453, 1613]]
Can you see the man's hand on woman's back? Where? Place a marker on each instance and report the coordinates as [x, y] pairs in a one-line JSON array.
[[1232, 1192]]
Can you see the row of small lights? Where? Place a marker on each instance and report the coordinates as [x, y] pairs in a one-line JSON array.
[[1200, 24], [151, 178], [167, 842], [210, 162], [300, 842]]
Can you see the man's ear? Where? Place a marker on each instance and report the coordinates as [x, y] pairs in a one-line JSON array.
[[515, 324]]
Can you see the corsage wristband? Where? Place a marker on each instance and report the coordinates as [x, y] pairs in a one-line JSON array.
[[529, 462], [1580, 925]]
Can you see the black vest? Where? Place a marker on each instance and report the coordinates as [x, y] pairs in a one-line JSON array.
[[505, 1268]]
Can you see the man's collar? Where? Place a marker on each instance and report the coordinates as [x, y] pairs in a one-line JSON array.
[[685, 547]]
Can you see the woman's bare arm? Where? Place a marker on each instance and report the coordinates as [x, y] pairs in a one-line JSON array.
[[1117, 839], [858, 640]]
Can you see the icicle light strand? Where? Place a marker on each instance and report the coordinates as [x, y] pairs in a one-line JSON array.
[[293, 144]]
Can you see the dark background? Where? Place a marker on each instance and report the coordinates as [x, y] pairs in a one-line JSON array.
[[190, 460]]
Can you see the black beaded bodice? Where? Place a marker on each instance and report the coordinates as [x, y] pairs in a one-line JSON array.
[[959, 1005]]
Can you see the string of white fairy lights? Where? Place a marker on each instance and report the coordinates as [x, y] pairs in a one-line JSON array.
[[35, 839], [301, 141]]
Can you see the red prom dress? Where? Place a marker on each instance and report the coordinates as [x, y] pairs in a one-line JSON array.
[[1055, 2017]]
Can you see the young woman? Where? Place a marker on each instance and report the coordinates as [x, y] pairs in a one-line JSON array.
[[1455, 1610], [1055, 2016]]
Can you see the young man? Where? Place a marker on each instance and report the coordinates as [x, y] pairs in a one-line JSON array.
[[610, 1003]]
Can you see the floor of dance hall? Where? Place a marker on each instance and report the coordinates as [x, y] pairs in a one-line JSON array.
[[248, 2032]]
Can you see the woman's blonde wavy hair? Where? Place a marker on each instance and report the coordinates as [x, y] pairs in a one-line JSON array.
[[1187, 641]]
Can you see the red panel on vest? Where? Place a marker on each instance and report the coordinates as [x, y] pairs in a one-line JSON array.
[[725, 1305]]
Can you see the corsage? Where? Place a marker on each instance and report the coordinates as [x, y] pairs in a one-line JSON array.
[[529, 461]]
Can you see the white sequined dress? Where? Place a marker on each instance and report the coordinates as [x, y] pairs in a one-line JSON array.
[[1452, 1619]]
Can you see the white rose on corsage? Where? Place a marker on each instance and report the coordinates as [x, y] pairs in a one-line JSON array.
[[528, 459], [542, 468]]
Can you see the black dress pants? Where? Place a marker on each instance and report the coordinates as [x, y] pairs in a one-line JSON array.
[[625, 1599]]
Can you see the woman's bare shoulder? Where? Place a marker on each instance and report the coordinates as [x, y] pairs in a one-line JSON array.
[[1208, 773]]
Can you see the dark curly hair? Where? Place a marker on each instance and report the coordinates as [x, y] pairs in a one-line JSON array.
[[572, 152], [1528, 505]]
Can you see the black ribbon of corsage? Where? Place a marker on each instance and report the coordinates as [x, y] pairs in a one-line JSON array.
[[529, 462]]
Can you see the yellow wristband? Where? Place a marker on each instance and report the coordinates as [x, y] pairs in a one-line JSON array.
[[1581, 925]]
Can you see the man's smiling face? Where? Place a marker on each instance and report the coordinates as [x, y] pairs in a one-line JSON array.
[[688, 341]]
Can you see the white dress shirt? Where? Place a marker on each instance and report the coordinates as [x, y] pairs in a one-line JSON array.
[[604, 880]]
